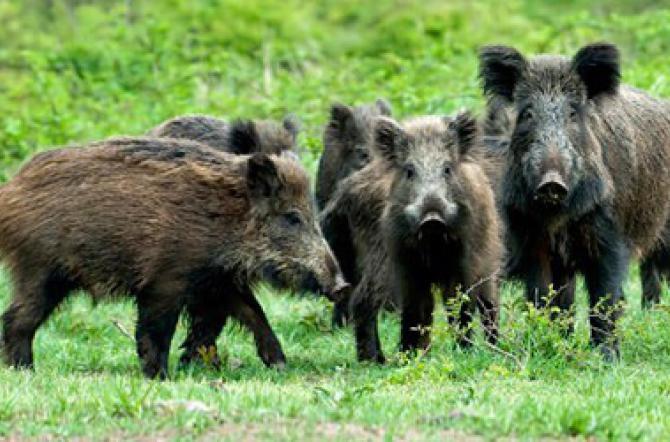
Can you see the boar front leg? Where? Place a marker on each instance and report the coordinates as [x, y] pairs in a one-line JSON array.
[[417, 313], [604, 275], [249, 312], [158, 312]]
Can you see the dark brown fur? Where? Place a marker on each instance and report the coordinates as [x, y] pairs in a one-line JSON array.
[[394, 264], [608, 146], [346, 149], [240, 136], [175, 224], [346, 145]]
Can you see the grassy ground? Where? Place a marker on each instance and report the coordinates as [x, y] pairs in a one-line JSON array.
[[79, 70]]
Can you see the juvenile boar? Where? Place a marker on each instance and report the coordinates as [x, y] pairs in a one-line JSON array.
[[240, 136], [586, 183], [346, 149], [174, 224], [357, 207], [440, 227], [346, 144]]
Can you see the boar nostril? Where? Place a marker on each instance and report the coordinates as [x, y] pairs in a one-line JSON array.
[[552, 188], [432, 220], [432, 225]]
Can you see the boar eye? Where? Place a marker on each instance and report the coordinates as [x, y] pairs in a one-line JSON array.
[[573, 111], [447, 170], [527, 114], [409, 171], [363, 155], [292, 218]]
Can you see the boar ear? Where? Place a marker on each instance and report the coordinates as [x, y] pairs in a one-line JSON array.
[[292, 125], [262, 177], [341, 118], [500, 68], [598, 67], [244, 137], [465, 128], [384, 107], [390, 140]]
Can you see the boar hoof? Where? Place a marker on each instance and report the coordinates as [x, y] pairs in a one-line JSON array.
[[274, 357], [609, 352]]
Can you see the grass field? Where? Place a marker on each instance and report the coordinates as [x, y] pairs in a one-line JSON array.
[[79, 70]]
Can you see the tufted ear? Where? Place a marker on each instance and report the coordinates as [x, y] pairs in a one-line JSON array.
[[262, 176], [244, 137], [500, 68], [292, 125], [384, 107], [598, 67], [464, 125], [390, 140]]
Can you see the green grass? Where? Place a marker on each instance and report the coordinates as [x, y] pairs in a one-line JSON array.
[[80, 70]]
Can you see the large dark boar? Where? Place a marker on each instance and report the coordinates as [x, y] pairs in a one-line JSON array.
[[240, 136], [440, 227], [586, 184], [174, 224], [346, 149]]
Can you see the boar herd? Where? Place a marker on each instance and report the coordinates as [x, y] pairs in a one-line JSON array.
[[565, 174]]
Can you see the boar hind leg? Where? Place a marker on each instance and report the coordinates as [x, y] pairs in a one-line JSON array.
[[249, 312], [207, 316], [487, 304], [158, 312], [651, 282], [35, 298]]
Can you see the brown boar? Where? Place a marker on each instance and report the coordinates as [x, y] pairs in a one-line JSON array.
[[346, 149], [439, 227], [357, 207], [240, 136], [174, 224], [346, 144], [586, 184]]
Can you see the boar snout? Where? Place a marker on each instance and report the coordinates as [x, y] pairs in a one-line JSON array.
[[551, 189], [340, 290]]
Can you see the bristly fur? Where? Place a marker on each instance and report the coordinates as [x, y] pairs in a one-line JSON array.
[[346, 140], [173, 223], [609, 143], [365, 204], [240, 136]]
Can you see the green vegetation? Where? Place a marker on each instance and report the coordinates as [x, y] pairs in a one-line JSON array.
[[72, 71]]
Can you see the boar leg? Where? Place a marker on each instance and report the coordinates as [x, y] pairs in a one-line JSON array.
[[338, 234], [34, 300], [417, 315], [487, 304], [158, 310], [651, 282], [539, 275], [563, 296], [365, 312], [604, 277], [249, 312], [207, 317]]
